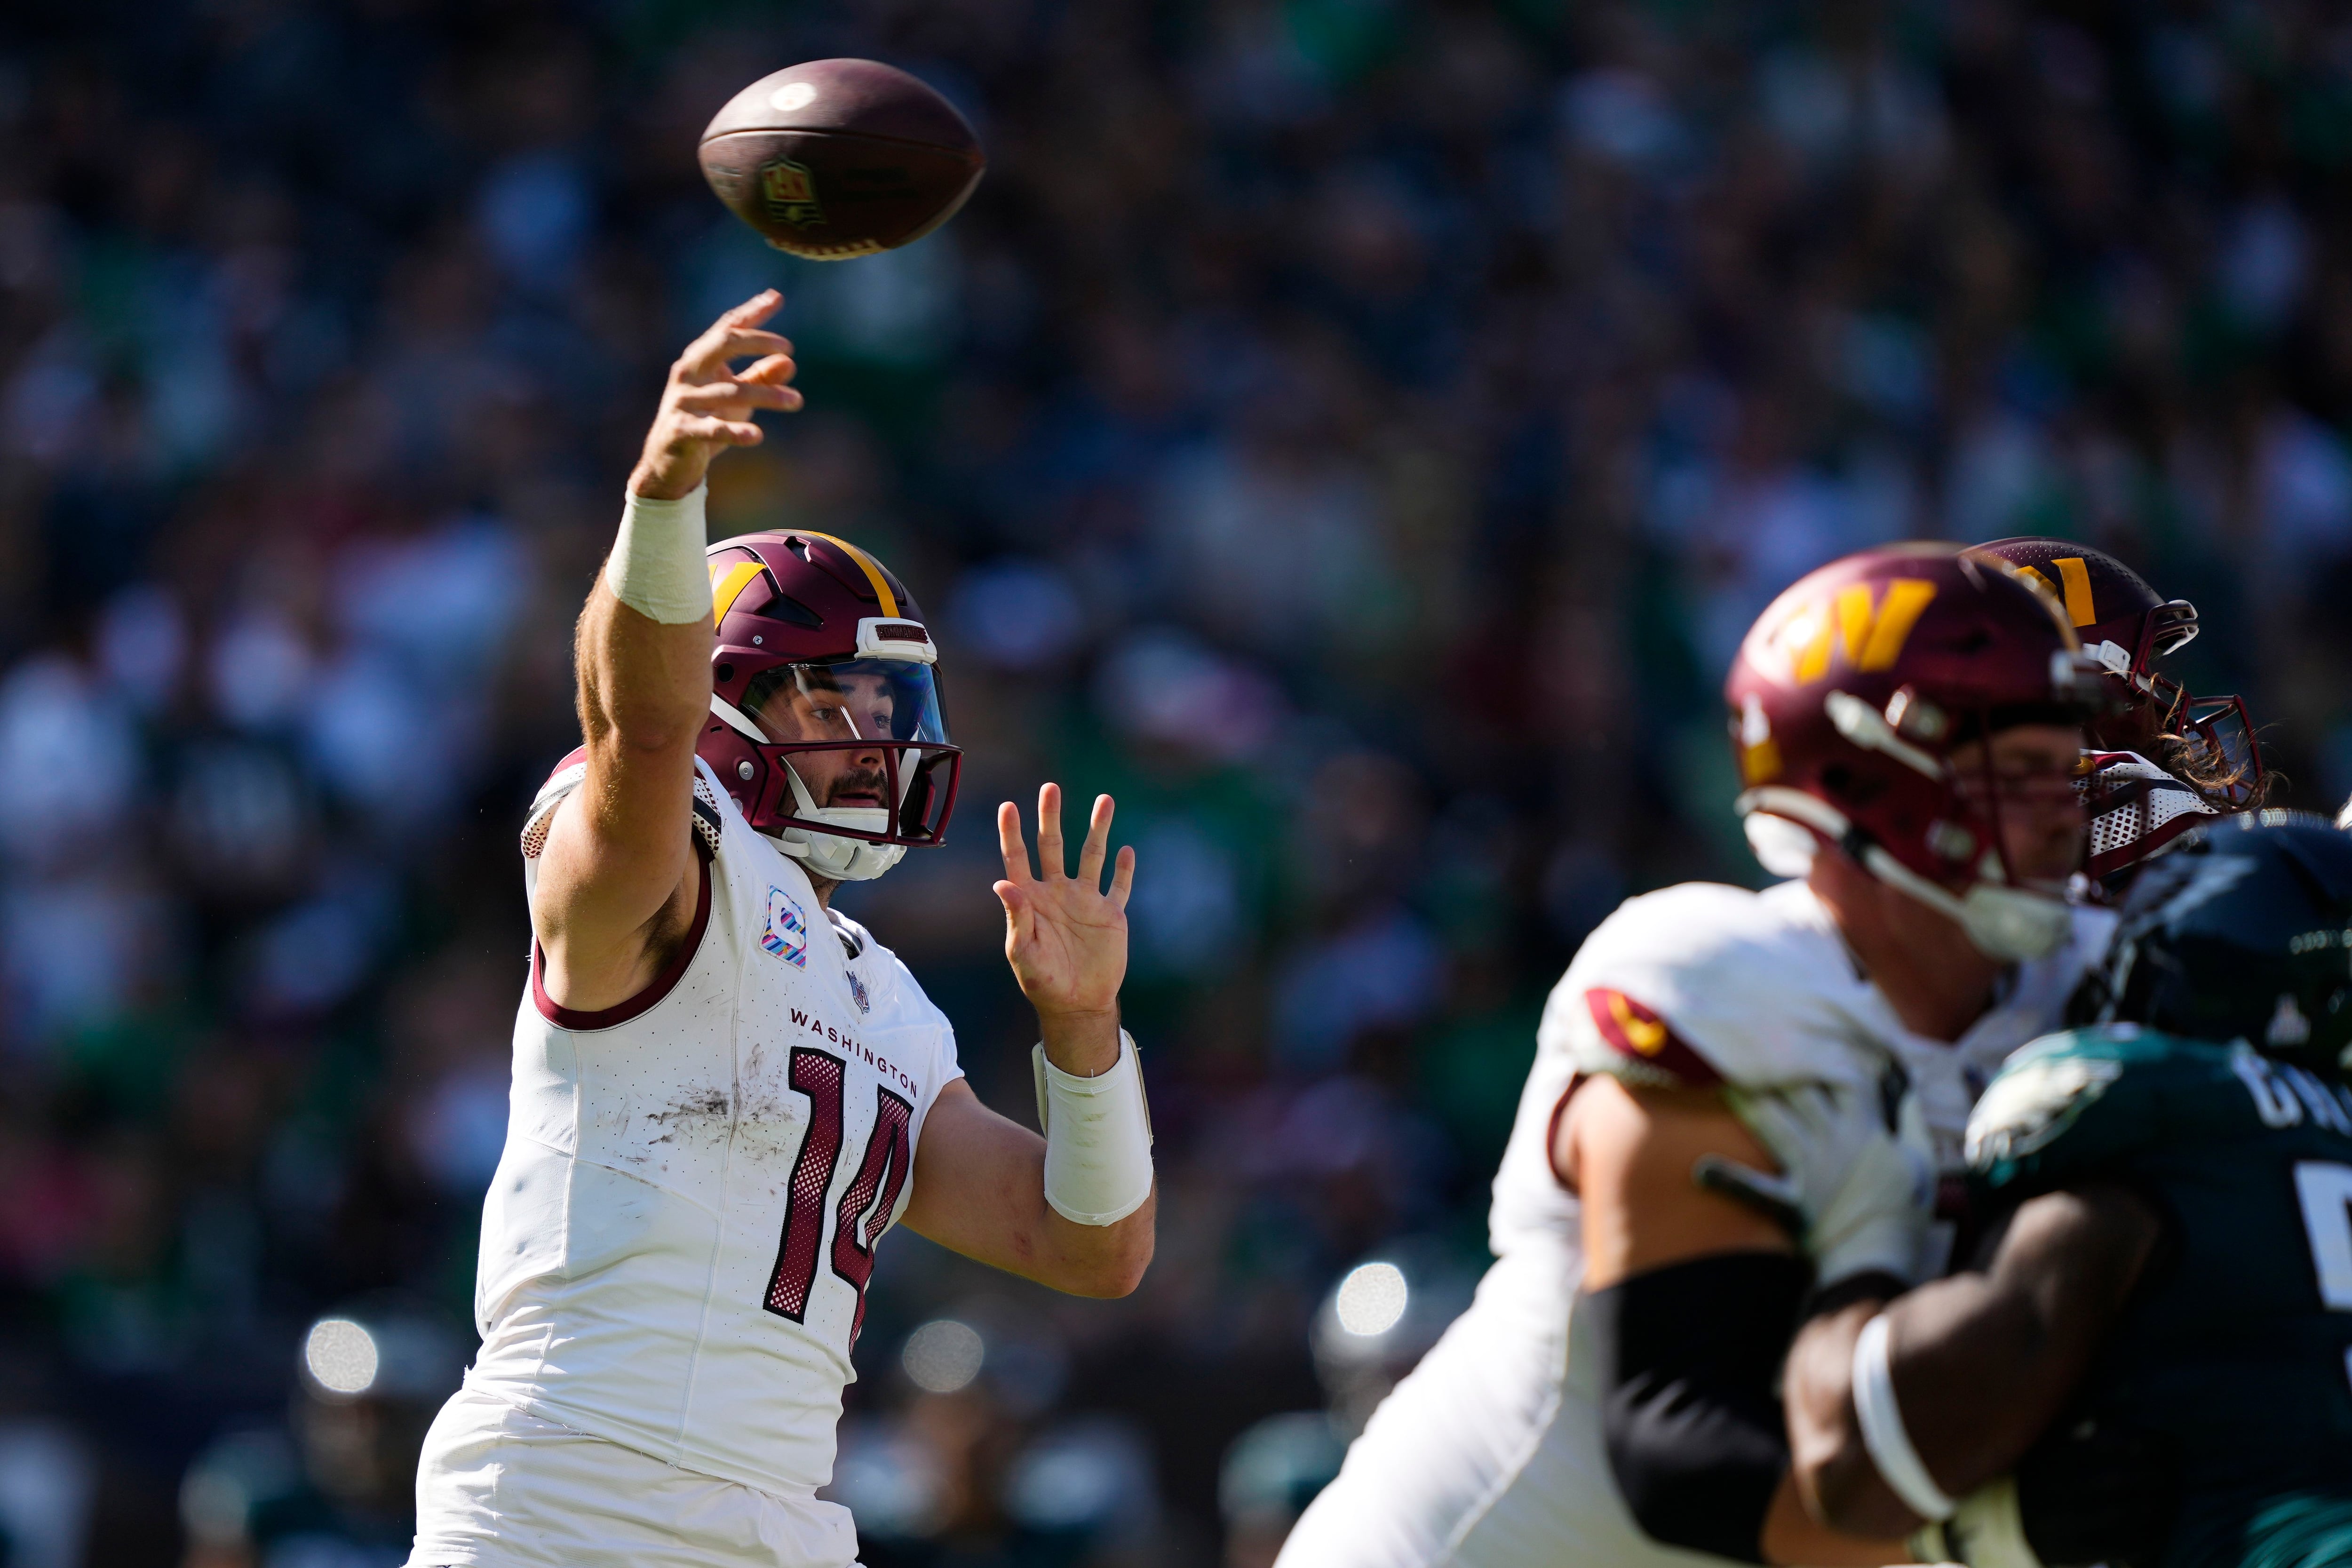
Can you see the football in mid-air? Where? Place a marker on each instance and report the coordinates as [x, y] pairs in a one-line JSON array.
[[832, 159]]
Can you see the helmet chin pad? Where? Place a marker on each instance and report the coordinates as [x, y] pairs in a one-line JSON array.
[[2005, 921], [836, 859], [829, 853]]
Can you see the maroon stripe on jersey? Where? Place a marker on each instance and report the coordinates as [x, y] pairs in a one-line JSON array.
[[662, 985], [819, 1076], [1638, 1033]]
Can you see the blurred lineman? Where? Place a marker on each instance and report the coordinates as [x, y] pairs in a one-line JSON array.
[[721, 1088], [1909, 724], [2153, 1366]]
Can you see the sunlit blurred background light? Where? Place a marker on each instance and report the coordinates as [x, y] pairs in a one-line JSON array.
[[943, 1356], [341, 1356], [1372, 1299]]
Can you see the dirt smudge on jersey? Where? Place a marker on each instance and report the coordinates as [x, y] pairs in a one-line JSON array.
[[696, 1117], [773, 1118]]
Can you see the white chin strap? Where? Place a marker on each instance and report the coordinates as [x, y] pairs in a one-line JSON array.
[[2008, 923], [828, 854]]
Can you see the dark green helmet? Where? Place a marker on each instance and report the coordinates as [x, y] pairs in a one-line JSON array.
[[2242, 932]]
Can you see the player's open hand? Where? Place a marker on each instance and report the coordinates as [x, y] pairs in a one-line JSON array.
[[706, 407], [1064, 936]]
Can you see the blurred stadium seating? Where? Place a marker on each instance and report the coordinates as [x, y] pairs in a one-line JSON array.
[[1355, 432]]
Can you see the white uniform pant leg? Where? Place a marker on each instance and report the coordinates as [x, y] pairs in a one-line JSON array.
[[498, 1487], [1489, 1456]]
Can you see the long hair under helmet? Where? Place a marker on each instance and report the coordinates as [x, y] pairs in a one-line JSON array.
[[2161, 760], [1850, 694], [824, 682]]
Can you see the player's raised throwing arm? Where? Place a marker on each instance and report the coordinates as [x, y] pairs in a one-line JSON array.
[[617, 881], [1074, 1209]]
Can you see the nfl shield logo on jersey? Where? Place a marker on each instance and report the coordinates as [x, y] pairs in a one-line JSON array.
[[786, 934], [858, 991]]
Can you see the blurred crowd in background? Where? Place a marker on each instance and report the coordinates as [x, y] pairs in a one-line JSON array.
[[1354, 433]]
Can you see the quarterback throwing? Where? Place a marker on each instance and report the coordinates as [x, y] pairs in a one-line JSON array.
[[724, 1093]]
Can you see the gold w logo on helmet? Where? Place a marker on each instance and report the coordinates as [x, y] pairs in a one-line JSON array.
[[1869, 629]]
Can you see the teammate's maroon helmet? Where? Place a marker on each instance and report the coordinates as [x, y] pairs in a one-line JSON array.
[[1851, 692], [2126, 627], [2163, 760], [824, 657]]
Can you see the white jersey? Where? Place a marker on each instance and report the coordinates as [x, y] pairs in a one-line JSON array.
[[677, 1245], [1490, 1454]]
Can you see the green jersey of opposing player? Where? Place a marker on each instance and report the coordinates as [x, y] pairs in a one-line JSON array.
[[2155, 1365], [2229, 1359]]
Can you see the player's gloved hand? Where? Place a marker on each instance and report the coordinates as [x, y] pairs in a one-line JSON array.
[[1857, 1195], [1987, 1531]]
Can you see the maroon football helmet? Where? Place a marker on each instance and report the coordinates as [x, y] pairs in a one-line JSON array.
[[2163, 760], [826, 723], [1851, 692], [2127, 628]]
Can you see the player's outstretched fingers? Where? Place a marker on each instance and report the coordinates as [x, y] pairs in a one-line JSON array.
[[747, 315], [758, 308], [1010, 844], [1096, 848], [734, 334], [1122, 877], [732, 432], [777, 371], [717, 397], [707, 360], [1020, 918], [1050, 859]]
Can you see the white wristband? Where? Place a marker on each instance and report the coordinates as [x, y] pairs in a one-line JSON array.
[[1882, 1426], [656, 566], [1098, 1138]]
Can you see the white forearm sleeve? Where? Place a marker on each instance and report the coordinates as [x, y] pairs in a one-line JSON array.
[[1883, 1432], [656, 566], [1098, 1138]]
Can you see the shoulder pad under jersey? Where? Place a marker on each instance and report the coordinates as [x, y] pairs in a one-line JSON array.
[[855, 940], [708, 821], [2073, 1105], [1704, 984]]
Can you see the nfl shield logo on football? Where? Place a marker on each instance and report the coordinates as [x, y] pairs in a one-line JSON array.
[[786, 934], [790, 191], [858, 991]]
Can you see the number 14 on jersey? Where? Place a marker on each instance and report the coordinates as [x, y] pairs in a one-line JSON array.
[[864, 1212]]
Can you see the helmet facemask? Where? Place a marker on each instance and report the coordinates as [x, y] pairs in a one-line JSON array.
[[853, 762], [2161, 759], [2006, 916], [2206, 742]]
